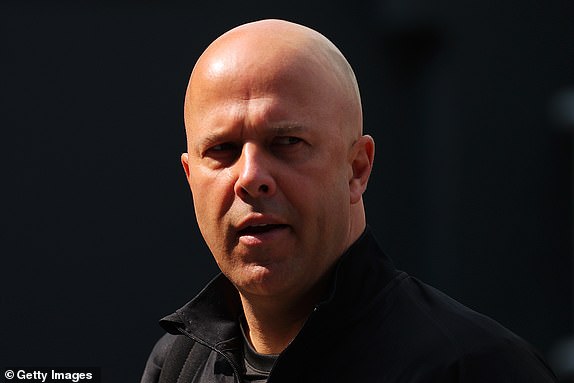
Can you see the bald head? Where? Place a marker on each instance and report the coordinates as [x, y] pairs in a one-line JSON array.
[[276, 160], [271, 53]]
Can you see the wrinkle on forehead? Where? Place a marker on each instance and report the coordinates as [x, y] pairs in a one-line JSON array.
[[258, 53]]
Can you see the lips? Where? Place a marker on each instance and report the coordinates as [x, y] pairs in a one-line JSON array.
[[260, 229]]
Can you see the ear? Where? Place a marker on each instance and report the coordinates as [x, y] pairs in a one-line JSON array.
[[185, 163], [362, 156]]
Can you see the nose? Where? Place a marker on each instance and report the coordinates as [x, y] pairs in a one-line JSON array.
[[254, 178]]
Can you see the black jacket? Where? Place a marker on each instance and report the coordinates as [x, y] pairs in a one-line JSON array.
[[376, 324]]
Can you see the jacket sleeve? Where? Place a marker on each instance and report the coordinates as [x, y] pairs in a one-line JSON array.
[[156, 359]]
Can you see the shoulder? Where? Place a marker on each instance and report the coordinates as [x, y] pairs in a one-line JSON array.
[[473, 346], [157, 358], [439, 319], [504, 361]]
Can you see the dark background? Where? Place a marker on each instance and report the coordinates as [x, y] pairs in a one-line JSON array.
[[471, 190]]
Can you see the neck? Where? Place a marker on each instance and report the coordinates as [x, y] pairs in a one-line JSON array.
[[271, 331], [272, 322]]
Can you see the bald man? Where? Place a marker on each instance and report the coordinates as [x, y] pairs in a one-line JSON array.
[[277, 163]]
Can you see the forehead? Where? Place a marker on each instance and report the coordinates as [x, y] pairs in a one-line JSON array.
[[244, 73], [234, 118], [259, 80], [279, 96]]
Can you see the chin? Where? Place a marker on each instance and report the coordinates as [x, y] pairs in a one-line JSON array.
[[262, 280]]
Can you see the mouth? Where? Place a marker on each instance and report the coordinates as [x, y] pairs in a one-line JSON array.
[[254, 230]]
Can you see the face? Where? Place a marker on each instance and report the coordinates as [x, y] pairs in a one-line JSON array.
[[269, 166]]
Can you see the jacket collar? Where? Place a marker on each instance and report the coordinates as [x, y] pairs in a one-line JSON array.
[[358, 283], [211, 317]]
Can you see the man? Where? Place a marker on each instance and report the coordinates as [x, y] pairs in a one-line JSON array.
[[277, 164]]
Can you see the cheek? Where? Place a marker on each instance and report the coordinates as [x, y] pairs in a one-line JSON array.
[[212, 194], [209, 198], [331, 199], [319, 196]]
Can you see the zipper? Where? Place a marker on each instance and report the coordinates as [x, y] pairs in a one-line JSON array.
[[302, 331], [236, 374]]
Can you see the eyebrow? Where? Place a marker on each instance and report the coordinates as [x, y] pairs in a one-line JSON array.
[[208, 140], [279, 129], [286, 129]]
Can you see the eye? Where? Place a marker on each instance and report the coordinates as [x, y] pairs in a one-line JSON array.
[[222, 147], [286, 140], [224, 152]]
